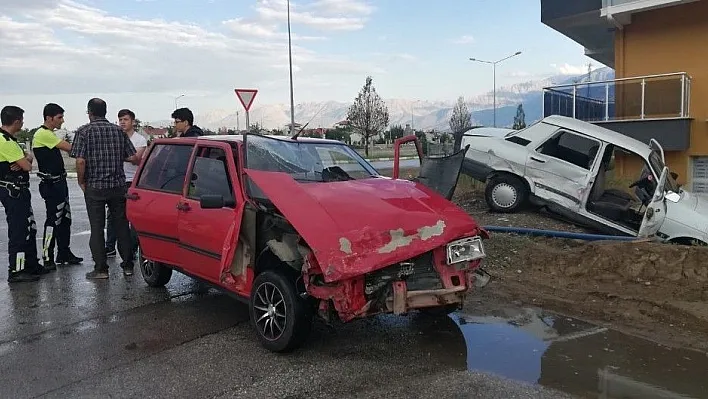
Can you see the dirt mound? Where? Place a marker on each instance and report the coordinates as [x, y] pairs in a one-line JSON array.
[[680, 272]]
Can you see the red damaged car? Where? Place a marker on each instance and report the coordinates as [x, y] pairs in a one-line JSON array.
[[298, 227]]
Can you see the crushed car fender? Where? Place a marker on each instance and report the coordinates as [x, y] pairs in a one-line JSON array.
[[354, 228]]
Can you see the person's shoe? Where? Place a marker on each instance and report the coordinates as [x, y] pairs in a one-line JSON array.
[[127, 268], [68, 259], [110, 252], [38, 270], [97, 274], [50, 265], [21, 277]]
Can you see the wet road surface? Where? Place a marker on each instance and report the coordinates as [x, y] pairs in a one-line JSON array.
[[68, 337]]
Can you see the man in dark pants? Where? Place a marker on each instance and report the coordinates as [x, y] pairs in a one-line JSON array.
[[184, 123], [15, 197], [47, 149], [100, 148], [126, 121]]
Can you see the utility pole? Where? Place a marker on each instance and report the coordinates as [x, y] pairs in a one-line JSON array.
[[494, 78], [177, 98], [290, 61]]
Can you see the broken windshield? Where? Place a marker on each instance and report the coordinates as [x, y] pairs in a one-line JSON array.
[[310, 161]]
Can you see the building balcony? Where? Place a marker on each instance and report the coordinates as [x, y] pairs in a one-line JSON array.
[[643, 107], [621, 10]]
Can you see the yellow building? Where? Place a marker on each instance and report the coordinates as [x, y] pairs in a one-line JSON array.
[[657, 49]]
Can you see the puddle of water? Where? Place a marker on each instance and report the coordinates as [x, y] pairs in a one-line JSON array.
[[579, 358]]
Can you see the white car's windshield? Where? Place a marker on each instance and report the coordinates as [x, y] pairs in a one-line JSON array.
[[658, 165], [307, 160]]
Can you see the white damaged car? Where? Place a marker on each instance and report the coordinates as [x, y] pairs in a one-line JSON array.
[[564, 165]]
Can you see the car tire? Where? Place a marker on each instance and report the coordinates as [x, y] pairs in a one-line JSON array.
[[439, 311], [281, 318], [505, 194], [155, 274]]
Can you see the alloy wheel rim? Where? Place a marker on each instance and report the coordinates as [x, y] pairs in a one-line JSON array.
[[147, 266], [270, 311]]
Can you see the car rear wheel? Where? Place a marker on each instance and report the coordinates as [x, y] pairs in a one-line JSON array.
[[439, 311], [282, 319], [155, 274], [505, 193]]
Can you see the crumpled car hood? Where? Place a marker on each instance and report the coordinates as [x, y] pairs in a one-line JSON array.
[[355, 227]]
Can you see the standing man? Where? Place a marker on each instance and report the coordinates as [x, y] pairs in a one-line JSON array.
[[47, 148], [126, 121], [15, 197], [100, 148], [184, 123]]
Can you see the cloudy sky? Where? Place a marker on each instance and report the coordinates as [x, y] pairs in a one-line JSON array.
[[141, 54]]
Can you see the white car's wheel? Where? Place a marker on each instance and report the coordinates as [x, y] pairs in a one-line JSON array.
[[505, 193]]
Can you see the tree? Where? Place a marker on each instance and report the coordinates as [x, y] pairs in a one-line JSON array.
[[338, 133], [460, 121], [520, 118], [396, 132], [368, 114]]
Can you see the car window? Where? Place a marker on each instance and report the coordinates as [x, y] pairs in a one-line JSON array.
[[570, 147], [165, 168], [334, 159], [210, 175]]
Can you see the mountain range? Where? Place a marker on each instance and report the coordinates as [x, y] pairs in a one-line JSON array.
[[421, 114]]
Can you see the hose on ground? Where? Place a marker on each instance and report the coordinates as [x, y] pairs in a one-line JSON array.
[[557, 234]]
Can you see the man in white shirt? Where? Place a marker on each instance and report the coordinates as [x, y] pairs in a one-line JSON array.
[[126, 120]]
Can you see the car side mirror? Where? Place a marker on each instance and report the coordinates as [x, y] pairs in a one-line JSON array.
[[212, 201]]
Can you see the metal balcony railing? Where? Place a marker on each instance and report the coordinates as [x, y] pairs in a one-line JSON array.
[[610, 3], [639, 4], [662, 96]]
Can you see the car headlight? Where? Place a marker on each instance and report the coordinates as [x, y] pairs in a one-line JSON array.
[[465, 250]]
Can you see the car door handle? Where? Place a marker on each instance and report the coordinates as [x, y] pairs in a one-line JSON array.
[[538, 160], [132, 196], [181, 206]]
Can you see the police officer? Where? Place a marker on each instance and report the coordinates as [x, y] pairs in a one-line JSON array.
[[15, 197], [47, 149]]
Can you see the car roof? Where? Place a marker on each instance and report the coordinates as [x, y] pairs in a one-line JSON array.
[[599, 133], [239, 138]]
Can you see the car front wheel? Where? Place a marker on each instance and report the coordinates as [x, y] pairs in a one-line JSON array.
[[505, 193], [155, 274], [282, 319]]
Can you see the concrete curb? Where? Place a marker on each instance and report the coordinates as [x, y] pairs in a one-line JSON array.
[[72, 175], [389, 159]]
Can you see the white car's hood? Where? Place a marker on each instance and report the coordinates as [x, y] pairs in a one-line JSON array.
[[691, 211]]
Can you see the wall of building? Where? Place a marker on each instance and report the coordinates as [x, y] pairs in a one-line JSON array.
[[668, 40]]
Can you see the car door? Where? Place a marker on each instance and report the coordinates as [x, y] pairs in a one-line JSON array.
[[655, 213], [207, 236], [152, 200], [439, 173], [561, 167]]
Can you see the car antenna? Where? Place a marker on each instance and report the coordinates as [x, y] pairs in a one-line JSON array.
[[295, 136]]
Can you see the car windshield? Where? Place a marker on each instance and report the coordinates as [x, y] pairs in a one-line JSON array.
[[308, 161], [658, 165]]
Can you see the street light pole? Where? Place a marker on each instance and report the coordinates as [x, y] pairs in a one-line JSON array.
[[176, 98], [494, 78], [290, 61]]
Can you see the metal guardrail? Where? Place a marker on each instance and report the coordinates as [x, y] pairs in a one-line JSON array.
[[661, 96]]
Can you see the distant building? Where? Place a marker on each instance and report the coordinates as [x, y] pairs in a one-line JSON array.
[[155, 132], [660, 88]]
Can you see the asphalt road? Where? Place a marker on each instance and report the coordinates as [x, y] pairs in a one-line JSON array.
[[66, 336]]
